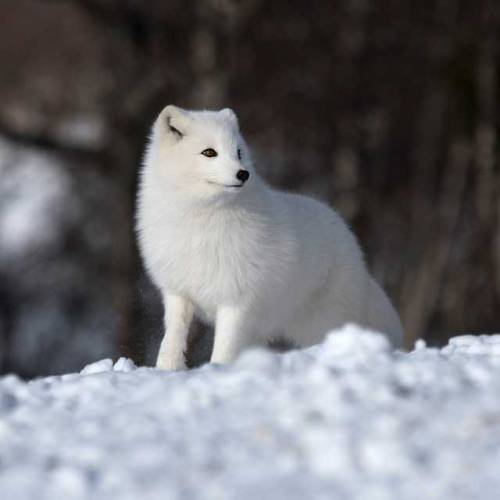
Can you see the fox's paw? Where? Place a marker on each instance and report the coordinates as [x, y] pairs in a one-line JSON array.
[[166, 362]]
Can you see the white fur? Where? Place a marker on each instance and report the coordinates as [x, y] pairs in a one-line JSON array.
[[257, 262]]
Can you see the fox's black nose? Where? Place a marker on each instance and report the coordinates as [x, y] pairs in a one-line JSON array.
[[242, 175]]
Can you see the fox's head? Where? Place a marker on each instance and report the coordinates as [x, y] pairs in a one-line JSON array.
[[200, 153]]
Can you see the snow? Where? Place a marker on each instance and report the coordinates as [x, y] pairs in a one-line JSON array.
[[58, 258], [348, 419], [86, 131], [33, 190]]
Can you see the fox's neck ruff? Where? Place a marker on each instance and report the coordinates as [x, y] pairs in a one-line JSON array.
[[175, 205]]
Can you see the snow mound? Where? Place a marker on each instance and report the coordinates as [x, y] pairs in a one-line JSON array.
[[348, 419]]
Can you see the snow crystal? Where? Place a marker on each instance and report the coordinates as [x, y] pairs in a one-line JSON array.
[[105, 365], [124, 365], [420, 344], [348, 419], [472, 344]]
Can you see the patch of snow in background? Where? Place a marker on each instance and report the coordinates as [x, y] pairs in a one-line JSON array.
[[33, 200], [348, 419], [84, 131], [58, 265]]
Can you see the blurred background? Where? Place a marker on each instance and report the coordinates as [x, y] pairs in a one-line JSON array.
[[388, 109]]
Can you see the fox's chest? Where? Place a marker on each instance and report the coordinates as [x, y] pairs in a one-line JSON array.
[[209, 264]]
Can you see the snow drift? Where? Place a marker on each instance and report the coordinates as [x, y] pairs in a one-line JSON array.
[[348, 419]]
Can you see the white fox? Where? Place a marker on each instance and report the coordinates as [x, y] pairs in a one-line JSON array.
[[259, 263]]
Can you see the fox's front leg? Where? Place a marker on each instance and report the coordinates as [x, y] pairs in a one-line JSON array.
[[178, 316], [233, 333]]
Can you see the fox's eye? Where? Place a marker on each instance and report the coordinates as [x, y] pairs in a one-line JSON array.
[[209, 153], [239, 154]]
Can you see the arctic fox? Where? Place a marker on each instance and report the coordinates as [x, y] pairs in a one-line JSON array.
[[257, 262]]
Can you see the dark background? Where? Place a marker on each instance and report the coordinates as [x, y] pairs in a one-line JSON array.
[[386, 108]]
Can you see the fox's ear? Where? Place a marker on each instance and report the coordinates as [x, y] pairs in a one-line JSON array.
[[174, 121], [230, 115]]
